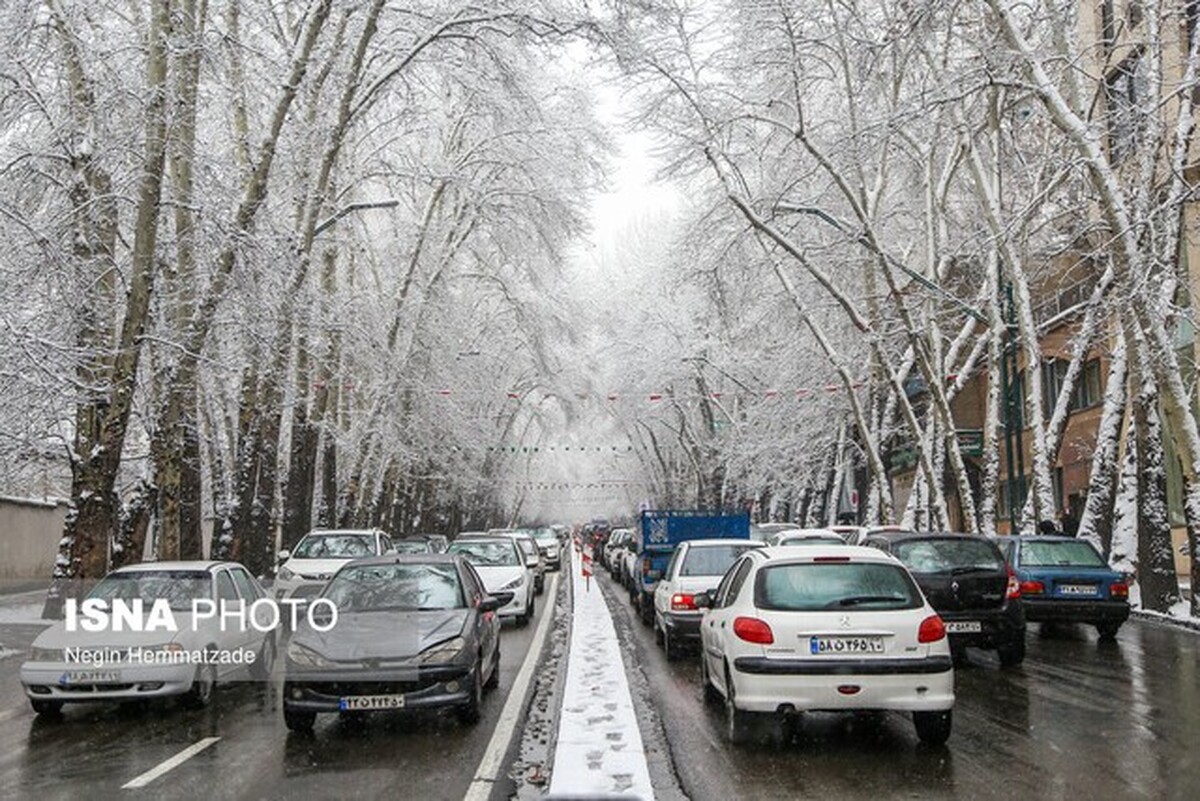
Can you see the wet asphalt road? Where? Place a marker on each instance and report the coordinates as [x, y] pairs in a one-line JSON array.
[[1080, 719], [92, 750]]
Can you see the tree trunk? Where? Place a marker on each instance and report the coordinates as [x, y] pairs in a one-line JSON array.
[[1156, 564], [1096, 523]]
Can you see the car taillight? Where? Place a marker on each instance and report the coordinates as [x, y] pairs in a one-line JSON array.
[[751, 629], [831, 559], [1032, 588], [932, 629], [1014, 586], [683, 602], [1118, 590]]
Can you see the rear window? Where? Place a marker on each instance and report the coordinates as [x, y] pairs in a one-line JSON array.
[[806, 540], [835, 585], [948, 555], [711, 560], [1060, 553]]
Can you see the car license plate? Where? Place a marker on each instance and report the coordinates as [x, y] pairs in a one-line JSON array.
[[90, 677], [824, 646], [1077, 589], [362, 703], [963, 626]]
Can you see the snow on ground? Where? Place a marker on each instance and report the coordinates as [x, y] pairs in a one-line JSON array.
[[23, 608], [599, 749]]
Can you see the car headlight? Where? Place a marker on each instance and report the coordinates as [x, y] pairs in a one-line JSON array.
[[443, 652], [307, 657], [45, 654], [512, 585], [284, 574]]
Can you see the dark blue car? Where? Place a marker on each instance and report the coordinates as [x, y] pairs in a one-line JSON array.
[[1067, 580]]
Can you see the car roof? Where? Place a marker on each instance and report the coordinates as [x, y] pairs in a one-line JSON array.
[[722, 541], [147, 567], [406, 559], [319, 532], [801, 553]]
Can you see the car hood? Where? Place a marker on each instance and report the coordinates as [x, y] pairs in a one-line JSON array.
[[496, 577], [311, 567], [57, 636], [383, 635]]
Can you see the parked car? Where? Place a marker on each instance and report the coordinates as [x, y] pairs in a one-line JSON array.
[[843, 628], [968, 582], [548, 544], [121, 669], [807, 536], [304, 570], [1066, 580], [697, 566], [413, 631], [501, 565]]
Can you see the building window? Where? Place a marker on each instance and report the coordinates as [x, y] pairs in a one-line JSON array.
[[1088, 391], [1126, 90], [1085, 393]]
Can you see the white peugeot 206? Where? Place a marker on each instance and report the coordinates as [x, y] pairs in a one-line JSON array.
[[304, 571], [178, 653], [825, 628]]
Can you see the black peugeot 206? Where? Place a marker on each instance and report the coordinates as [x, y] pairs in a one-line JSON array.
[[969, 583], [411, 632]]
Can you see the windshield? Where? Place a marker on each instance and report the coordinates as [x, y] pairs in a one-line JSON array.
[[1060, 553], [488, 553], [411, 546], [527, 547], [948, 555], [545, 534], [395, 587], [335, 546], [711, 560], [835, 586], [178, 587]]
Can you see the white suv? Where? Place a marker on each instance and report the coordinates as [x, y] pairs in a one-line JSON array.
[[305, 569], [824, 628]]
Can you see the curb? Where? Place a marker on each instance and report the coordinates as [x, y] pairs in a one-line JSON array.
[[1166, 620]]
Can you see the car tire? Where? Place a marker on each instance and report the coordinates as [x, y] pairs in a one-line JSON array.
[[712, 696], [933, 728], [1012, 654], [646, 608], [658, 630], [265, 661], [46, 708], [204, 687], [670, 645], [739, 724], [1108, 631], [470, 712], [296, 720]]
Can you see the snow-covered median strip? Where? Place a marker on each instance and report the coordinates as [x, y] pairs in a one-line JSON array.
[[599, 748]]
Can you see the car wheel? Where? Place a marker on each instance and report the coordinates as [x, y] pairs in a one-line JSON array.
[[46, 708], [933, 728], [471, 711], [265, 661], [1012, 654], [299, 721], [646, 606], [494, 679], [670, 645], [739, 723], [712, 696], [1108, 631], [658, 630], [203, 688]]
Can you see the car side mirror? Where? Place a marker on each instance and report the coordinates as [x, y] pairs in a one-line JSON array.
[[703, 600], [496, 600], [283, 555]]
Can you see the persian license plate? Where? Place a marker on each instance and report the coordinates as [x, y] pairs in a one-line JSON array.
[[963, 626], [1078, 589], [836, 646], [362, 703], [90, 677]]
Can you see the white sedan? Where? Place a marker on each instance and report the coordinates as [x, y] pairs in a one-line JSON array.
[[500, 563], [103, 660], [799, 629]]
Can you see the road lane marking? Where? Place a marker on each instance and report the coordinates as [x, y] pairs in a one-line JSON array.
[[497, 747], [170, 764]]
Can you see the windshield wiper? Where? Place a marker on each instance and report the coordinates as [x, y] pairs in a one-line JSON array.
[[855, 600], [958, 571]]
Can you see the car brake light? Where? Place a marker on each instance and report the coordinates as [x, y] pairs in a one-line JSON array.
[[1014, 586], [1118, 590], [1032, 588], [682, 601], [831, 559], [932, 629], [751, 629]]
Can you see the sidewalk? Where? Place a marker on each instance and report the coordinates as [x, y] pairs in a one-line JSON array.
[[599, 749]]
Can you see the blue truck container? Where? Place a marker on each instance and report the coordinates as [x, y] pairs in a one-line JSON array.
[[658, 534]]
